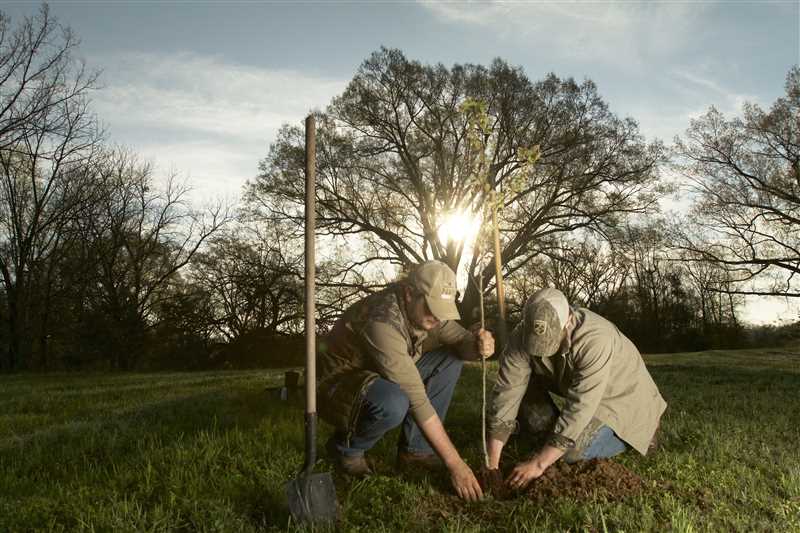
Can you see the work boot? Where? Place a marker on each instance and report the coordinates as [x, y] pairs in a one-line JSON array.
[[351, 465], [418, 461]]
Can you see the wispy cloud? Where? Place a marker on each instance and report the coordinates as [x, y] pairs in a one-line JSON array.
[[700, 89], [624, 34], [209, 120]]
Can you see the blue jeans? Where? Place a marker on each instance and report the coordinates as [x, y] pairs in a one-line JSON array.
[[604, 443], [386, 406]]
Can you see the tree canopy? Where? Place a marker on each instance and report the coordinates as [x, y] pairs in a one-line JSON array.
[[394, 161], [745, 175]]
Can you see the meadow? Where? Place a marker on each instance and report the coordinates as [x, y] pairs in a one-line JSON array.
[[213, 451]]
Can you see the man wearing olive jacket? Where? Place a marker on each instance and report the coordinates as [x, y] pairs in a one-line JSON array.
[[611, 402], [394, 358]]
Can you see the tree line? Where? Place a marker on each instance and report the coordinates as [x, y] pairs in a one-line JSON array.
[[106, 264]]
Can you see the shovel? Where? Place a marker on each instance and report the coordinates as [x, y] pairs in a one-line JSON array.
[[312, 497]]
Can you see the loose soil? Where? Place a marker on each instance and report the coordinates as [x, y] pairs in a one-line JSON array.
[[585, 480]]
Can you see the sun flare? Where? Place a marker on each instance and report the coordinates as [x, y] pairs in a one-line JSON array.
[[458, 227]]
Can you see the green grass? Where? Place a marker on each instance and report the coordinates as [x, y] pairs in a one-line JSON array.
[[212, 452]]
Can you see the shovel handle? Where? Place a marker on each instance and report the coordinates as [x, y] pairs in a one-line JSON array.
[[311, 329], [311, 216]]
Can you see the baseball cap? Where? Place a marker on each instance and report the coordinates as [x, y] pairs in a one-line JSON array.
[[437, 282], [544, 317]]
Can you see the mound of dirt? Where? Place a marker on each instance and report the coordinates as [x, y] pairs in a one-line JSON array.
[[585, 480]]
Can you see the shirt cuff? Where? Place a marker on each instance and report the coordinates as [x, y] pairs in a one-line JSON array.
[[502, 431], [560, 441], [423, 412]]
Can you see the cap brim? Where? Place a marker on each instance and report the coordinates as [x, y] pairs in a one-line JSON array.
[[443, 309]]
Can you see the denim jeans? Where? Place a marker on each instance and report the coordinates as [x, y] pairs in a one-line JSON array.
[[386, 406], [604, 443]]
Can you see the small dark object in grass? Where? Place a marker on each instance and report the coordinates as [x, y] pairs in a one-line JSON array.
[[491, 480], [291, 379]]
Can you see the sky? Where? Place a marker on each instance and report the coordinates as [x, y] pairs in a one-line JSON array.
[[201, 88]]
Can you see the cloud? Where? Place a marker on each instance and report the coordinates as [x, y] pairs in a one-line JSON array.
[[200, 93], [697, 89], [209, 120], [212, 170], [621, 34]]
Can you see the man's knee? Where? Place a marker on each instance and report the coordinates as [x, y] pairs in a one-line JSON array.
[[387, 402], [595, 442], [395, 411]]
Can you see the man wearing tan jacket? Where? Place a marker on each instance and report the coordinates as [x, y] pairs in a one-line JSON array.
[[611, 402], [394, 359]]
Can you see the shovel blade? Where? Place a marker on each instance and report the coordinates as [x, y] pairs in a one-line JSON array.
[[312, 498]]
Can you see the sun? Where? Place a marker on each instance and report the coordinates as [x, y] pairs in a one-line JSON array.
[[458, 227]]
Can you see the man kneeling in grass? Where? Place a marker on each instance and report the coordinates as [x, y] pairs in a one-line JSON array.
[[394, 358], [611, 402]]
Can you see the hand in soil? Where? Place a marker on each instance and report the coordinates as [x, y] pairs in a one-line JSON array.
[[524, 473], [465, 483]]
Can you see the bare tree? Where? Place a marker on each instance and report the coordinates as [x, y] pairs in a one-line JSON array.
[[745, 173], [47, 140], [254, 284], [713, 286], [141, 235], [394, 162]]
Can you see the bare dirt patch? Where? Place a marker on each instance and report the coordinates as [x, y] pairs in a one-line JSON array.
[[583, 481]]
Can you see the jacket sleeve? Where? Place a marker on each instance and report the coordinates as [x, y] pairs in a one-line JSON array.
[[509, 389], [388, 350], [592, 370], [453, 334]]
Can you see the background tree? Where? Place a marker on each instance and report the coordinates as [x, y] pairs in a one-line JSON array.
[[47, 140], [718, 304], [142, 234], [745, 173], [393, 165], [662, 303], [254, 284], [585, 269]]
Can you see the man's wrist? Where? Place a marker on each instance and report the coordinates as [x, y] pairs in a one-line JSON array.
[[546, 457]]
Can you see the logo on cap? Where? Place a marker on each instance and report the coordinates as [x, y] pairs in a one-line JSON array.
[[539, 327]]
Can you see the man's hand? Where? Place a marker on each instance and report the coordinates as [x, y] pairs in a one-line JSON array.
[[524, 473], [465, 482], [527, 471], [485, 342]]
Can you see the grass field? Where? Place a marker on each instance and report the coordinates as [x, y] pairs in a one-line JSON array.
[[212, 452]]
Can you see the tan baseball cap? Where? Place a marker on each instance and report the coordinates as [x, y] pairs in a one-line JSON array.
[[437, 282], [545, 314]]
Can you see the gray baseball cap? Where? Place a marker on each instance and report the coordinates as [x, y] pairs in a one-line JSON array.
[[437, 282], [544, 316]]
